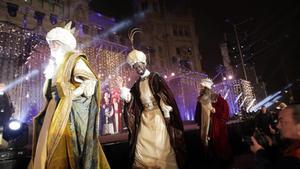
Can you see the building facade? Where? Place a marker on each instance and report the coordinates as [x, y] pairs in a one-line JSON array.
[[169, 38]]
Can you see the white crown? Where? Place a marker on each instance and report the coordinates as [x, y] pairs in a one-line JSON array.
[[136, 56], [64, 35], [207, 82]]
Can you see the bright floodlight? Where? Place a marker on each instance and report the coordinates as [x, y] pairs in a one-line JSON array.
[[14, 125], [230, 77]]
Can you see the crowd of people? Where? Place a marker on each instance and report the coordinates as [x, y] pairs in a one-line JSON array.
[[112, 121]]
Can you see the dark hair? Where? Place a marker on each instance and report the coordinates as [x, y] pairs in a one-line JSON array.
[[295, 112]]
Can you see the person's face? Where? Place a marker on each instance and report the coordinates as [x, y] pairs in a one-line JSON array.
[[139, 67], [57, 50], [264, 109], [203, 90], [54, 46], [287, 126], [106, 97]]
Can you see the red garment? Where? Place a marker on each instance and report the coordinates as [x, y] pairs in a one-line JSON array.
[[218, 129]]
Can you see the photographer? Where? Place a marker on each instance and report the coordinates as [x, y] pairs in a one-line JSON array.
[[289, 128]]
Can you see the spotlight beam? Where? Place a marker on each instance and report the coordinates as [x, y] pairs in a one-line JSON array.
[[238, 97], [250, 105], [243, 101], [226, 94], [19, 80], [119, 26], [267, 99]]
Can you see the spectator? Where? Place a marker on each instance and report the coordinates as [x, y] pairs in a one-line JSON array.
[[263, 120], [289, 127]]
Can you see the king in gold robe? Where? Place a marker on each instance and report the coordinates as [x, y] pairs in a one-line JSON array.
[[66, 131]]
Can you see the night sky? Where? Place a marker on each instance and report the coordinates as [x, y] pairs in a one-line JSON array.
[[273, 29]]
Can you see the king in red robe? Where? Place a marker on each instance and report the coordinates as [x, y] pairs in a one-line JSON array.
[[212, 113]]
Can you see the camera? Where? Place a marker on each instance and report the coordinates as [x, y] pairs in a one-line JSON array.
[[260, 137]]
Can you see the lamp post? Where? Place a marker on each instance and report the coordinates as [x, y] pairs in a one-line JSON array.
[[238, 42], [240, 51]]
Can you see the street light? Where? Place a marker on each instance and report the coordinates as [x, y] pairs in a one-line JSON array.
[[238, 42], [240, 51]]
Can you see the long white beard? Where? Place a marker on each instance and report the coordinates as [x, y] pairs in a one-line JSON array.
[[56, 59], [59, 55]]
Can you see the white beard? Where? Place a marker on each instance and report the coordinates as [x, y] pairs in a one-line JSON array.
[[59, 55], [50, 70]]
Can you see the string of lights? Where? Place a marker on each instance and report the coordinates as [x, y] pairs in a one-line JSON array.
[[238, 93], [23, 51]]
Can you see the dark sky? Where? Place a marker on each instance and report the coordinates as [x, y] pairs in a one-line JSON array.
[[273, 31], [274, 34]]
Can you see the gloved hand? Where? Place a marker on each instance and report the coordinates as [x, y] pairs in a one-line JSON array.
[[87, 88]]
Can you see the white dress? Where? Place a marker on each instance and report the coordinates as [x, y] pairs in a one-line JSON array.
[[153, 148]]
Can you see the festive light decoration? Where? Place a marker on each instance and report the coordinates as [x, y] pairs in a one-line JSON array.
[[108, 59], [186, 88], [24, 51], [238, 93], [16, 45]]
